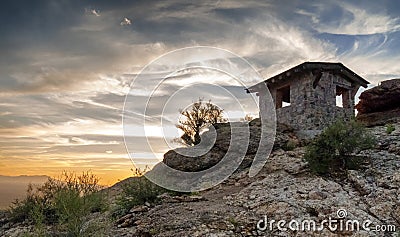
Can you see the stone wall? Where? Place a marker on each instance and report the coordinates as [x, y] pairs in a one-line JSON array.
[[312, 109]]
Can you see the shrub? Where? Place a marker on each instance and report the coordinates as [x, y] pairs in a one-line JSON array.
[[64, 202], [390, 128], [290, 145], [333, 149], [137, 191]]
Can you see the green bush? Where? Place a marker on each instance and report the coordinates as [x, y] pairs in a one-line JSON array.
[[333, 150], [137, 191], [65, 202], [390, 128], [290, 145]]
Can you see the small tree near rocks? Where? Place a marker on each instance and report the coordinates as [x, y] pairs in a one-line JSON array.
[[199, 116], [333, 150]]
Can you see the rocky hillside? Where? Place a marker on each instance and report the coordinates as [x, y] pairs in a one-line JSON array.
[[283, 190]]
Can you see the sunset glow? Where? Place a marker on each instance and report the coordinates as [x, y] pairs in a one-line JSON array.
[[66, 68]]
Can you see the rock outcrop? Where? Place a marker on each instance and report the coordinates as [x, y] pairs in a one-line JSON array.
[[381, 104], [285, 139]]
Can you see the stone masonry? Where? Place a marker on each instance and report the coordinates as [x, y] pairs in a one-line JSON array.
[[306, 96]]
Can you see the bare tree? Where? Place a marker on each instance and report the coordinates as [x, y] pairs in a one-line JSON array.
[[199, 116]]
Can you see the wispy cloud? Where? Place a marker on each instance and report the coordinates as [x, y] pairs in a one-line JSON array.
[[355, 21]]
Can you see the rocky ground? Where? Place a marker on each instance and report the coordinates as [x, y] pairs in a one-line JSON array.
[[283, 190]]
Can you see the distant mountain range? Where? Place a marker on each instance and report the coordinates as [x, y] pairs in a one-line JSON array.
[[14, 187]]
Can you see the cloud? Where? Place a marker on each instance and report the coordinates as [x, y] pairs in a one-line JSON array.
[[273, 45], [355, 21], [125, 22]]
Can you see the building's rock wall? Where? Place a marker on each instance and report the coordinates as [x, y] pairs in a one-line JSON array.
[[314, 109]]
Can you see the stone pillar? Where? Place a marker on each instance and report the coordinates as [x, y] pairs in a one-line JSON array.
[[278, 99], [346, 99]]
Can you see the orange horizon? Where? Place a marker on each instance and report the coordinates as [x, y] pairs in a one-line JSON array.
[[106, 177]]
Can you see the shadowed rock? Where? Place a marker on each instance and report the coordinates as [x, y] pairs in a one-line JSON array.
[[381, 104], [192, 164]]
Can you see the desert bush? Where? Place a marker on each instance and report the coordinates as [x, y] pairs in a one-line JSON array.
[[333, 150], [64, 202], [290, 145], [390, 128], [137, 191]]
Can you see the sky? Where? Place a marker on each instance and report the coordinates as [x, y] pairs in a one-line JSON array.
[[67, 66]]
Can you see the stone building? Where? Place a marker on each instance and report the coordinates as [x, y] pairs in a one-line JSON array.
[[312, 95]]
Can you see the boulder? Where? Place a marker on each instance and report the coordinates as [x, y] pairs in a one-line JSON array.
[[381, 104], [284, 139]]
